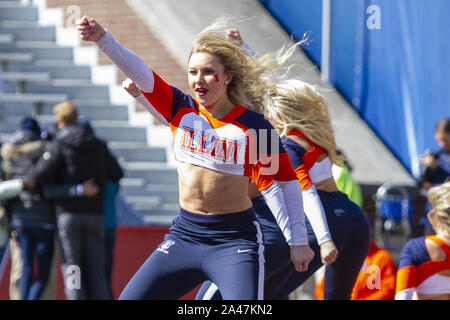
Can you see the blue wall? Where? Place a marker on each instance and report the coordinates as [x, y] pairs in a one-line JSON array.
[[395, 77], [299, 17]]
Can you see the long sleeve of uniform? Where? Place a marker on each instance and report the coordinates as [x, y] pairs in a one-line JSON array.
[[311, 200], [163, 99], [128, 62], [275, 177], [285, 202]]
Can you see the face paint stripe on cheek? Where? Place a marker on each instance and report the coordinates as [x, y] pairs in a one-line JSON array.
[[216, 76]]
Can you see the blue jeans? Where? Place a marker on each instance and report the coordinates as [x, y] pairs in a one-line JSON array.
[[40, 241], [82, 241]]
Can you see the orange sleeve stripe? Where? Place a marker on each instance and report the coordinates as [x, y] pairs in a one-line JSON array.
[[429, 268], [161, 98], [278, 169], [406, 278], [303, 177], [261, 180], [285, 170]]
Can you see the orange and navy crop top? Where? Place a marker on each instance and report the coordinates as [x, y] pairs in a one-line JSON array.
[[242, 143], [417, 272], [233, 144], [310, 171]]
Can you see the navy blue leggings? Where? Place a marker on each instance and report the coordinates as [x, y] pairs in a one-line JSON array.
[[350, 231], [224, 248]]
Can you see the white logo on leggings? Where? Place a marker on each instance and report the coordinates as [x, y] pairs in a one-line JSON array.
[[165, 246]]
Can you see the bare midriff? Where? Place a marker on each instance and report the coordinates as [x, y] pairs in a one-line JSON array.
[[210, 192]]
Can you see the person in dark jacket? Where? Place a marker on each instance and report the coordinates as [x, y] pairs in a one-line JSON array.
[[436, 167], [32, 216], [77, 155]]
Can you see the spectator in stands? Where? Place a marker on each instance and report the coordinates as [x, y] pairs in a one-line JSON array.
[[345, 182], [436, 165], [32, 216], [424, 265], [76, 155], [215, 208]]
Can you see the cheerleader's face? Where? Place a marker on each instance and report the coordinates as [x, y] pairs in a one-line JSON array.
[[207, 79]]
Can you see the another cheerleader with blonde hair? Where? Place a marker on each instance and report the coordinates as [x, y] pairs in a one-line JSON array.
[[217, 136], [338, 230], [424, 265], [299, 113]]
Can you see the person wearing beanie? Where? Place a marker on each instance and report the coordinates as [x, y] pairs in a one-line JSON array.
[[29, 123], [31, 215]]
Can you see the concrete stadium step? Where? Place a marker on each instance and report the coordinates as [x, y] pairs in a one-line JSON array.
[[135, 151], [43, 50], [4, 137], [119, 131], [6, 40], [19, 79], [168, 210], [28, 31], [162, 216], [32, 98], [152, 172], [132, 183], [74, 89], [66, 71], [11, 10], [88, 112], [144, 202], [25, 76], [163, 220], [167, 193], [7, 58], [106, 130]]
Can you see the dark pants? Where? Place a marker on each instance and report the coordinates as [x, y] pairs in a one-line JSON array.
[[350, 232], [224, 248], [39, 241], [277, 254], [82, 242]]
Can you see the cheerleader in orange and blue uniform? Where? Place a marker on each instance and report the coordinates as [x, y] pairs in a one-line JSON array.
[[424, 265]]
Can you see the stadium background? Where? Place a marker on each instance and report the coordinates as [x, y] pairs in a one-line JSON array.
[[391, 77]]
